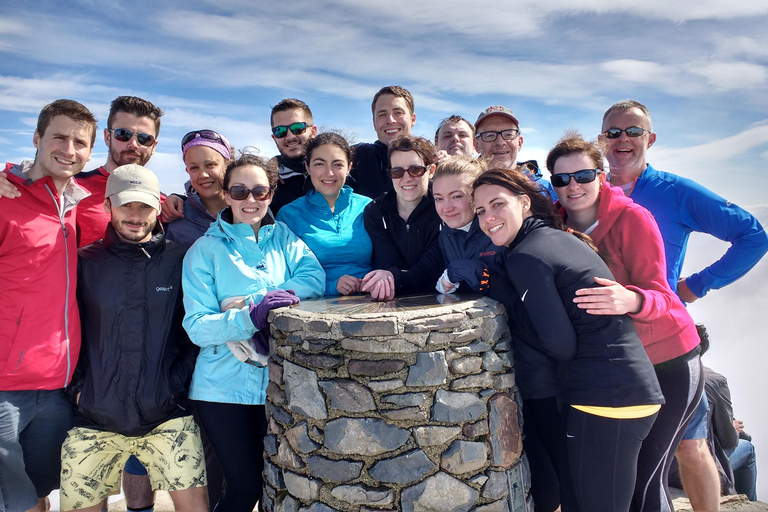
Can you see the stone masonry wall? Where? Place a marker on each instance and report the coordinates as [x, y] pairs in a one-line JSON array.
[[413, 409]]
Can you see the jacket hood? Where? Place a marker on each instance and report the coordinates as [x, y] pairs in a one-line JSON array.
[[612, 203]]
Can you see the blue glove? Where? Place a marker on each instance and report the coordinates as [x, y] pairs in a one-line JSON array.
[[272, 300], [473, 273]]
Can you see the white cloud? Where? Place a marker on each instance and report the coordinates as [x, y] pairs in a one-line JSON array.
[[727, 76]]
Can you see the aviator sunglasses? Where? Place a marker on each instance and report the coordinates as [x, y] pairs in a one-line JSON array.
[[632, 131], [241, 193], [296, 128], [398, 172], [205, 134], [124, 135], [582, 176]]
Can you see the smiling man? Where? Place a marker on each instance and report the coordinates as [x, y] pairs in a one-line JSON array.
[[498, 140], [39, 322], [454, 136], [393, 115]]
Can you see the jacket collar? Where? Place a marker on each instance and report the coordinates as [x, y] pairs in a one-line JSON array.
[[148, 249]]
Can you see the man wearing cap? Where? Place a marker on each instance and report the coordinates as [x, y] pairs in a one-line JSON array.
[[131, 382], [498, 139], [39, 321]]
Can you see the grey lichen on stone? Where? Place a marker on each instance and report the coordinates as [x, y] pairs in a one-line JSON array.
[[334, 470], [304, 395], [301, 487], [404, 469], [363, 436], [362, 494], [464, 456], [405, 399], [369, 327], [389, 346], [435, 436], [466, 365], [482, 380], [435, 323], [454, 407], [382, 386], [439, 492], [348, 395], [300, 440], [431, 369]]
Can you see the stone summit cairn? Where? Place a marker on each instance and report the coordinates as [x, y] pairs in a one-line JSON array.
[[409, 405]]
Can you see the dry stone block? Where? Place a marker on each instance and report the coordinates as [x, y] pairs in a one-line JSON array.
[[334, 470], [279, 414], [506, 444], [406, 414], [270, 445], [404, 469], [474, 347], [466, 365], [435, 323], [405, 399], [467, 335], [276, 394], [320, 325], [318, 506], [286, 322], [300, 440], [483, 380], [363, 436], [359, 494], [439, 492], [348, 395], [382, 386], [450, 407], [369, 327], [275, 373], [375, 368], [301, 487], [317, 343], [274, 475], [492, 362], [430, 369], [288, 504], [504, 381], [304, 396], [496, 506], [317, 361], [493, 328], [463, 457], [476, 429], [287, 458], [390, 346], [435, 436], [497, 486]]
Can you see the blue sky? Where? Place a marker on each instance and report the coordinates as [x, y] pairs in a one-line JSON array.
[[700, 66]]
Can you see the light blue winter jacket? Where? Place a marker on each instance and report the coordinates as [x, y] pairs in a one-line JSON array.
[[228, 262], [338, 238]]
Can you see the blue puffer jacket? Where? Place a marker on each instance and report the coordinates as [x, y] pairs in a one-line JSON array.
[[195, 222], [229, 262], [338, 238]]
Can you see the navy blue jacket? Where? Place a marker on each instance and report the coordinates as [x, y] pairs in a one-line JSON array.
[[369, 170]]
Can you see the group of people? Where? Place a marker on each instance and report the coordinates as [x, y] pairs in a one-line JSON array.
[[145, 352]]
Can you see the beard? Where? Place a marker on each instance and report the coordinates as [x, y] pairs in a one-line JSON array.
[[128, 157], [132, 236]]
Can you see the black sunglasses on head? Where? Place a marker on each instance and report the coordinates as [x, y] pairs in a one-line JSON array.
[[241, 192], [582, 176], [398, 172], [632, 131], [296, 128], [206, 134], [124, 135]]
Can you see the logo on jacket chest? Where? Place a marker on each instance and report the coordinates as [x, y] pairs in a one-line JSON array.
[[164, 289]]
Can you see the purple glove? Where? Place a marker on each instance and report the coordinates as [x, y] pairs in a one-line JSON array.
[[261, 341], [272, 300]]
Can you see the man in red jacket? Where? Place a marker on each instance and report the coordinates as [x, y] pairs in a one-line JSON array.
[[39, 319]]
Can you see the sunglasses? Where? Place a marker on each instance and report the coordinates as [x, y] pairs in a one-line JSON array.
[[398, 172], [241, 193], [205, 134], [491, 136], [582, 176], [124, 135], [633, 131], [296, 128]]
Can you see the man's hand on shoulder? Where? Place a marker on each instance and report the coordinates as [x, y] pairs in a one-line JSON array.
[[172, 209], [7, 189]]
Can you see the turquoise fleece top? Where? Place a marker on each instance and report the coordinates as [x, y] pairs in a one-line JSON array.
[[228, 262], [338, 238]]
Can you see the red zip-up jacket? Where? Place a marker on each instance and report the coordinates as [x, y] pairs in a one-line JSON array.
[[39, 318]]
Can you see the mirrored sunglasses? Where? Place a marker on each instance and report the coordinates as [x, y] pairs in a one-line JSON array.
[[125, 135], [632, 131], [296, 128]]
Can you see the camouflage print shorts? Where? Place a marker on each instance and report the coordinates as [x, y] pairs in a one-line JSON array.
[[93, 460]]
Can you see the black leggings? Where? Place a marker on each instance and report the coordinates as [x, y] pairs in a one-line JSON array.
[[541, 427], [237, 435], [601, 455], [682, 386]]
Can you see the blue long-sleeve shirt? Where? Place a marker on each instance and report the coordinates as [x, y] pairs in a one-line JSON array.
[[338, 238], [681, 206]]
